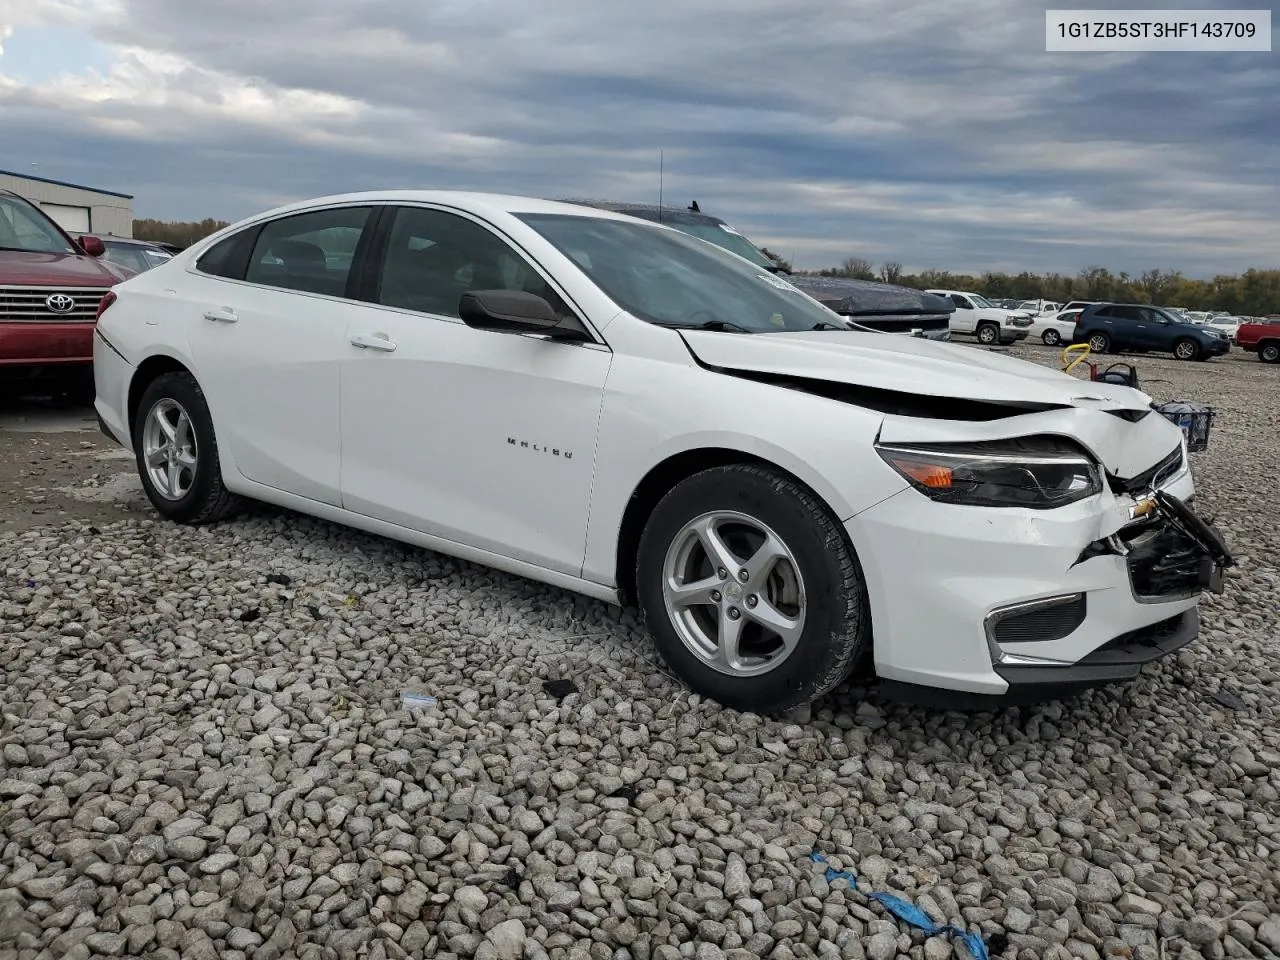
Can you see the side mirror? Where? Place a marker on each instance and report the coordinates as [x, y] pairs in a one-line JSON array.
[[93, 246], [514, 311]]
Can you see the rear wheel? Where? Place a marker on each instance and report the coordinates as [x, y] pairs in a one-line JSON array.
[[751, 591], [177, 452], [1099, 343], [1186, 350], [1269, 352], [988, 333], [1051, 338]]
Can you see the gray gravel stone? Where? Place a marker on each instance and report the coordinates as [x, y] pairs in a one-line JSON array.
[[507, 939], [183, 781]]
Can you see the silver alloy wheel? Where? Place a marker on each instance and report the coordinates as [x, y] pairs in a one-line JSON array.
[[1098, 343], [1051, 338], [734, 593], [1184, 350], [169, 449], [988, 334]]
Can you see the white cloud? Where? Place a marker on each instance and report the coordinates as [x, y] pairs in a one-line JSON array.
[[935, 133]]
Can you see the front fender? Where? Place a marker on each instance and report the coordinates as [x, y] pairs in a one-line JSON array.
[[826, 444]]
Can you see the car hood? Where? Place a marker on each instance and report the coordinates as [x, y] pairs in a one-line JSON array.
[[1114, 422], [854, 297], [30, 269], [908, 365]]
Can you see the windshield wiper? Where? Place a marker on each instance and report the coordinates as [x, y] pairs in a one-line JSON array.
[[828, 325], [723, 325]]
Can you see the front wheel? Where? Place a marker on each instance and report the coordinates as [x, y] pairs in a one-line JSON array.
[[177, 452], [1269, 352], [1099, 343], [1186, 350], [988, 333], [750, 589], [1051, 338]]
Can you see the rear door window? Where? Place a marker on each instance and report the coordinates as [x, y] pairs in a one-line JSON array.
[[310, 252]]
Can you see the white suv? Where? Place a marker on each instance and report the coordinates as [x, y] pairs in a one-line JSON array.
[[978, 317]]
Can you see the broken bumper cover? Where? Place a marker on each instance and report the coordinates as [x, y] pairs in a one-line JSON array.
[[1119, 660], [1003, 606]]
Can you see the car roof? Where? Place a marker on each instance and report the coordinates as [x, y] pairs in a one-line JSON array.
[[112, 238], [651, 211], [471, 201]]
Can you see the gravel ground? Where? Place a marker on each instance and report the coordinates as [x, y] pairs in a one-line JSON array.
[[204, 753]]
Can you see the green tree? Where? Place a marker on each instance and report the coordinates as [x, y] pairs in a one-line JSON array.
[[784, 264], [856, 268], [1158, 285], [182, 233]]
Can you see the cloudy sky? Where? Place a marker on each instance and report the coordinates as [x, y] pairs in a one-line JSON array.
[[937, 133]]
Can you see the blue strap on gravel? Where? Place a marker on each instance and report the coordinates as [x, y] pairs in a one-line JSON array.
[[910, 913]]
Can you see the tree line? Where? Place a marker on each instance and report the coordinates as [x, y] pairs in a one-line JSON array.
[[182, 233], [1254, 293]]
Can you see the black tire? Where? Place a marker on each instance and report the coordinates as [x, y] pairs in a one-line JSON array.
[[1269, 351], [1051, 338], [836, 635], [207, 500], [1187, 349], [1099, 343], [988, 333]]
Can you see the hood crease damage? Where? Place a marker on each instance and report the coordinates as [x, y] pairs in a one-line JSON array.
[[880, 372]]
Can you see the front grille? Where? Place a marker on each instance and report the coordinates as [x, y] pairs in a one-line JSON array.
[[1147, 643], [1040, 623], [1022, 321], [31, 304], [1151, 477], [1166, 564]]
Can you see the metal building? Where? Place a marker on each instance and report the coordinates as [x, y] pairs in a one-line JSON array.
[[76, 209]]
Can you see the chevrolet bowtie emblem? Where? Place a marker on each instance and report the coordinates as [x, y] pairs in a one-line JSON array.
[[1142, 508]]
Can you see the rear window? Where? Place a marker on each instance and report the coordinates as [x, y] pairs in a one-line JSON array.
[[219, 260]]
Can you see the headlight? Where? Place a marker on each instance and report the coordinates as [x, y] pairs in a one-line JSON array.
[[1035, 472]]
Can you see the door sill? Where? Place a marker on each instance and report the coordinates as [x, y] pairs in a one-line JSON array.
[[452, 548]]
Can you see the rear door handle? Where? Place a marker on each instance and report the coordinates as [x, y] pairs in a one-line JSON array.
[[373, 341], [221, 315]]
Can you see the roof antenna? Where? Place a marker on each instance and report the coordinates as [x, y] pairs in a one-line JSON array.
[[693, 207], [660, 165]]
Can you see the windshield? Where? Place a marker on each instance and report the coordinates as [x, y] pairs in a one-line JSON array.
[[22, 227], [135, 256], [671, 279], [724, 236], [980, 302]]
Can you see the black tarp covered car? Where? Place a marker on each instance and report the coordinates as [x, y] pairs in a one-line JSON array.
[[879, 306]]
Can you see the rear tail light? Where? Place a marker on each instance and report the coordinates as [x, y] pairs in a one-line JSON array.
[[107, 300]]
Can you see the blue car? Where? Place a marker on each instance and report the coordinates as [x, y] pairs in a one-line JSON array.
[[1140, 327]]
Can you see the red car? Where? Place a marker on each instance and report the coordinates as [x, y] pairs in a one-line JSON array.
[[1261, 338], [50, 288]]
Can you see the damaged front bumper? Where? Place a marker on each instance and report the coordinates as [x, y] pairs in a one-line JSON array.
[[1000, 606]]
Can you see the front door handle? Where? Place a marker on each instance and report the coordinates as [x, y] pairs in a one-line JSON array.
[[221, 315], [373, 341]]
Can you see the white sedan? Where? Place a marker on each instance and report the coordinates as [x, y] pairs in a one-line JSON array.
[[1053, 329], [619, 409]]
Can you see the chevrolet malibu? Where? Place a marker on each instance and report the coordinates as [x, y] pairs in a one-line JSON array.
[[619, 409]]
